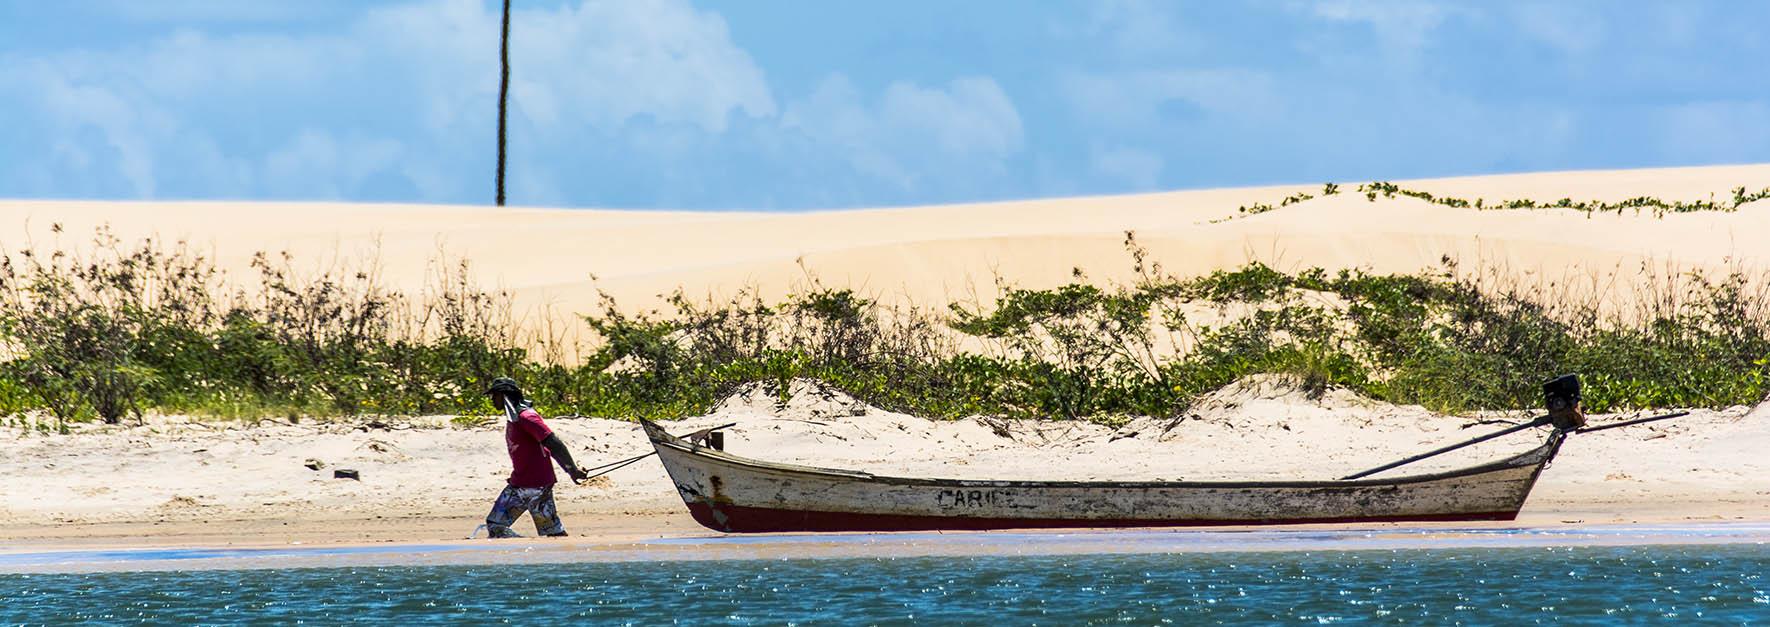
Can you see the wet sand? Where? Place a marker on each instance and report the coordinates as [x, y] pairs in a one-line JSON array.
[[707, 546]]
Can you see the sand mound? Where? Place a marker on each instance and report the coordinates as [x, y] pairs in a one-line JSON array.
[[1760, 412], [932, 255], [1248, 401], [1274, 387], [804, 398]]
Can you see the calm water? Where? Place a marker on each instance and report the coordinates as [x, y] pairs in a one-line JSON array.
[[1717, 584]]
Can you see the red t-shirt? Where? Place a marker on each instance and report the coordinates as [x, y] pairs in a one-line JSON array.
[[531, 465]]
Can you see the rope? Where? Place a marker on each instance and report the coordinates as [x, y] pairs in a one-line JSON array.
[[630, 459], [617, 466]]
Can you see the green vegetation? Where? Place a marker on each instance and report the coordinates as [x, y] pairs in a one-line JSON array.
[[1660, 207], [126, 329], [1327, 190]]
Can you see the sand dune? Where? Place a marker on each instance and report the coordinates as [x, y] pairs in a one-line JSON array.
[[933, 254]]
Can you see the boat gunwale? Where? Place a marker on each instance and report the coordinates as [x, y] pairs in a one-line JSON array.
[[1538, 457]]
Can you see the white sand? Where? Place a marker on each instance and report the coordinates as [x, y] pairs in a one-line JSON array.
[[173, 480]]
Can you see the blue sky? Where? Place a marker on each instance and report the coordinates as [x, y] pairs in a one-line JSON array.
[[777, 104]]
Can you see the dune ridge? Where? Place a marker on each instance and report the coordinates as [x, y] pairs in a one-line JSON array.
[[556, 261]]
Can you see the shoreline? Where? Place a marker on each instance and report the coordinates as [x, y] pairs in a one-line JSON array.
[[1542, 511], [710, 546]]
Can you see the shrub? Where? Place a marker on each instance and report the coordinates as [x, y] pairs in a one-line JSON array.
[[118, 331]]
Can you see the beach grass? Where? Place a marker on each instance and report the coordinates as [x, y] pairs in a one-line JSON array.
[[119, 328]]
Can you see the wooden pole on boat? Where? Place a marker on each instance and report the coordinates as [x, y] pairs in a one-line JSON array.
[[1540, 421], [1636, 421]]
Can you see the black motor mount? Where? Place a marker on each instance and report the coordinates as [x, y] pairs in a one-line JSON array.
[[1561, 396]]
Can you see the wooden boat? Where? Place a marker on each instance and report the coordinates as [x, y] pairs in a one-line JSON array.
[[729, 493]]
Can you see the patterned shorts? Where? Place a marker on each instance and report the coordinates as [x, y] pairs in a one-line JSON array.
[[513, 501]]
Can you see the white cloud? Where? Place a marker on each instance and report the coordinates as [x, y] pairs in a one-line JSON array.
[[1137, 29], [612, 61], [1715, 131], [1137, 168], [1137, 99], [74, 106], [599, 63], [408, 91], [594, 64], [186, 11], [1568, 27], [1403, 26], [913, 133], [317, 165], [128, 119], [970, 116]]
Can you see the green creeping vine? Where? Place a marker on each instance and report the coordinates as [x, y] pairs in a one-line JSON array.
[[1660, 207]]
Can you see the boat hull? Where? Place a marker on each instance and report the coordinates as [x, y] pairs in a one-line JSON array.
[[733, 494]]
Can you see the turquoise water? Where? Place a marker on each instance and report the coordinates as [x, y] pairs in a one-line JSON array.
[[1722, 584]]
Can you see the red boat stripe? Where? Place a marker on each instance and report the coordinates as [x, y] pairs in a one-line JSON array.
[[742, 519]]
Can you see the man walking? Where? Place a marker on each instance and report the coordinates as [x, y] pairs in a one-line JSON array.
[[533, 448]]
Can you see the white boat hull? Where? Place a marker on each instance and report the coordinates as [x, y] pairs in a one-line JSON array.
[[734, 494]]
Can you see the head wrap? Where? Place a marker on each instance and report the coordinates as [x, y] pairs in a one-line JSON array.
[[514, 402]]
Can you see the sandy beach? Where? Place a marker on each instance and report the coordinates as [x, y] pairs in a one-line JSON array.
[[179, 482], [173, 480]]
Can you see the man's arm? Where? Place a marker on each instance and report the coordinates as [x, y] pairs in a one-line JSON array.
[[563, 456]]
